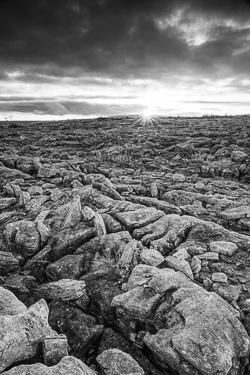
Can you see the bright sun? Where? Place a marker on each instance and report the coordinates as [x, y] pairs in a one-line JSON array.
[[146, 118]]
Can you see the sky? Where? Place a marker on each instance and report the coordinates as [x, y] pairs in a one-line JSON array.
[[88, 58]]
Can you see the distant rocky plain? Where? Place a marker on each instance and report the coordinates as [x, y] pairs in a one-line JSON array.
[[125, 246]]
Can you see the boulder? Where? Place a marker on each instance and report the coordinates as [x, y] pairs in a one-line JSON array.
[[64, 289], [6, 203], [151, 257], [113, 340], [8, 263], [108, 244], [67, 366], [116, 362], [21, 334], [22, 237], [68, 267], [54, 349], [238, 156], [191, 329], [81, 329], [236, 213], [179, 264], [9, 304], [112, 225], [68, 240]]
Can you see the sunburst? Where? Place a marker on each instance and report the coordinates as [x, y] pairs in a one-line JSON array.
[[147, 118]]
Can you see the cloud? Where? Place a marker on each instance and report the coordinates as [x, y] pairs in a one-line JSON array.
[[117, 37], [80, 54]]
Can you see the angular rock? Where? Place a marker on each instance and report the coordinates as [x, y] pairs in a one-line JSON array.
[[195, 266], [228, 292], [67, 366], [21, 285], [80, 328], [74, 214], [194, 329], [219, 277], [6, 202], [22, 237], [129, 256], [64, 289], [69, 267], [179, 265], [8, 263], [103, 283], [21, 334], [112, 225], [106, 245], [152, 257], [68, 240], [154, 190], [54, 349], [112, 340], [223, 247], [9, 304], [100, 228], [47, 172], [238, 156], [116, 362], [138, 218], [236, 213], [35, 190], [41, 255]]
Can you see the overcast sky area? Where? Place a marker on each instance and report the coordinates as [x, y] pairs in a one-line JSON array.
[[86, 58]]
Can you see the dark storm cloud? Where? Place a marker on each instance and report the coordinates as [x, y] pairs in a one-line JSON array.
[[116, 37]]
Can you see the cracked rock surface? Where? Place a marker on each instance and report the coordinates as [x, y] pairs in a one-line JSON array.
[[126, 246]]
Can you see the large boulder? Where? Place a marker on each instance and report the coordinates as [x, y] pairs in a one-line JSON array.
[[187, 328], [21, 334], [67, 366], [81, 329]]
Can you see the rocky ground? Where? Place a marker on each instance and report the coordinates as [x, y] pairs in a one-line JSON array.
[[124, 247]]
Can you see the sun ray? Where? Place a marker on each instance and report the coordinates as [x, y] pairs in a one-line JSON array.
[[147, 118]]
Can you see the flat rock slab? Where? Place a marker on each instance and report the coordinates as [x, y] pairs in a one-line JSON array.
[[20, 334], [195, 326], [116, 362], [236, 213], [223, 247], [139, 218], [219, 277], [67, 366], [64, 289]]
